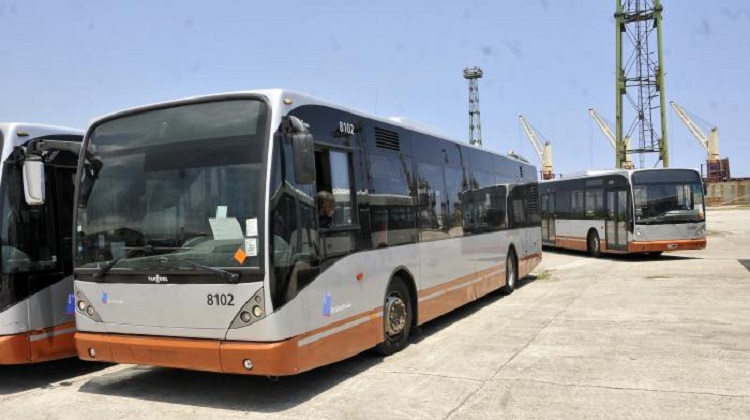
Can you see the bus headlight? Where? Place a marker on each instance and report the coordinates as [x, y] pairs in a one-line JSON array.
[[638, 233], [85, 308], [252, 311], [701, 232], [245, 316]]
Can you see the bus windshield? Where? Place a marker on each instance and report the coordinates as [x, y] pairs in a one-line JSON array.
[[183, 180], [668, 197]]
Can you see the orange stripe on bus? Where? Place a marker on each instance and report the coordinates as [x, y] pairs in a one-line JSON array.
[[340, 322], [658, 246], [23, 348], [15, 349], [571, 242]]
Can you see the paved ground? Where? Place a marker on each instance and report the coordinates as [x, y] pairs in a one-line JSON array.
[[584, 338]]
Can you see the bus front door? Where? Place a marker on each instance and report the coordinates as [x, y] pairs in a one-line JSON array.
[[548, 218], [617, 220]]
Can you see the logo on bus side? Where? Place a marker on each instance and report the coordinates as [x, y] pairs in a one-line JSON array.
[[328, 309], [158, 279], [107, 300]]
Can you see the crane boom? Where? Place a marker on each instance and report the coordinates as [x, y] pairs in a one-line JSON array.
[[709, 143], [604, 127], [533, 138], [627, 163], [544, 152]]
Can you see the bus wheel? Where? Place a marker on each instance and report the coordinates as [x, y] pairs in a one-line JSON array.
[[397, 318], [511, 274], [654, 254], [593, 244]]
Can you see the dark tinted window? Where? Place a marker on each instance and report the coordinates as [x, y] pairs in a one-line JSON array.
[[388, 173], [431, 202]]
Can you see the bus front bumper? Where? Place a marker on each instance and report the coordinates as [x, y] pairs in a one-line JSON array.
[[660, 246], [270, 359]]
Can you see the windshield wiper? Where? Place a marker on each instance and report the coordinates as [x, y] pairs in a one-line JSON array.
[[227, 275], [148, 249]]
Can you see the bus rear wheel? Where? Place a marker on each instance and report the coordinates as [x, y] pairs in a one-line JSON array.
[[511, 274], [397, 318], [593, 244]]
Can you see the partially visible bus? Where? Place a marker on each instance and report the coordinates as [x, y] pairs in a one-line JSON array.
[[200, 245], [37, 185], [625, 211]]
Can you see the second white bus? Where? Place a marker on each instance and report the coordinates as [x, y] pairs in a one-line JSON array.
[[625, 211]]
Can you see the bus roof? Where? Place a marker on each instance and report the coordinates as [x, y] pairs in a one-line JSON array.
[[15, 134], [602, 172], [36, 130], [277, 96]]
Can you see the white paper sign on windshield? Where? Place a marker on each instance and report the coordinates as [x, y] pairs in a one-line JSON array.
[[251, 247], [221, 212], [225, 228], [251, 227]]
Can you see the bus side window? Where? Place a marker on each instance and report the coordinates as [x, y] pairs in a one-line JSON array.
[[335, 203]]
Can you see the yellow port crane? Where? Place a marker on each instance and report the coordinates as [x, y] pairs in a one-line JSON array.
[[544, 152]]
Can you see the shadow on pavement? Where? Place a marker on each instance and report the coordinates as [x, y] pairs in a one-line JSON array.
[[621, 257], [226, 391], [253, 393], [19, 378], [438, 324]]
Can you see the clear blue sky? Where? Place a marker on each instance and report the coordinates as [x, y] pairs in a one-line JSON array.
[[66, 62]]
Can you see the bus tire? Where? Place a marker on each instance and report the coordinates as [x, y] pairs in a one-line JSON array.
[[397, 318], [511, 273], [592, 244], [654, 254]]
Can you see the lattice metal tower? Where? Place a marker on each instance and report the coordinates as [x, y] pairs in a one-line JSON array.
[[640, 79], [475, 125]]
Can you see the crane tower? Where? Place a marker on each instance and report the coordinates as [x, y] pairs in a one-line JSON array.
[[475, 125], [640, 79]]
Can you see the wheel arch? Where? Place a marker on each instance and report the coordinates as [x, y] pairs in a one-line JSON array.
[[409, 279]]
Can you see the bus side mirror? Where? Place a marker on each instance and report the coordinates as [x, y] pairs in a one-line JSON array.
[[33, 182], [303, 147]]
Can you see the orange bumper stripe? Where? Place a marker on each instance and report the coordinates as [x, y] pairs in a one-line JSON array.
[[657, 246], [38, 346]]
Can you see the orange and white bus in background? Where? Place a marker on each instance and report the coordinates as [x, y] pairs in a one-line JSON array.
[[625, 211], [36, 232], [204, 241]]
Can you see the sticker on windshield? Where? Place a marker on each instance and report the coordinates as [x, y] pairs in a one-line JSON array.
[[251, 247], [221, 212], [251, 227], [226, 228], [240, 256]]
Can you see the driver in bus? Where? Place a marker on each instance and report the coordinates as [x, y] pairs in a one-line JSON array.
[[326, 207]]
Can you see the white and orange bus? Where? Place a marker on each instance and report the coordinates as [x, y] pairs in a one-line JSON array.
[[36, 233], [201, 243], [625, 211]]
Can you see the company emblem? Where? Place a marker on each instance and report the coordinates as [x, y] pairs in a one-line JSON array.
[[329, 309], [327, 304], [158, 279], [106, 300]]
